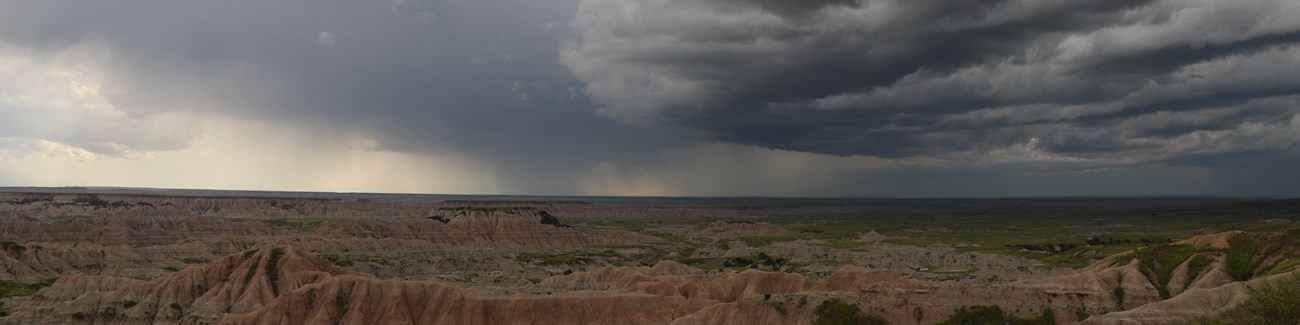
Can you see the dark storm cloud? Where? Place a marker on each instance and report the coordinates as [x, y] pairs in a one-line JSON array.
[[949, 98], [476, 77], [1105, 81]]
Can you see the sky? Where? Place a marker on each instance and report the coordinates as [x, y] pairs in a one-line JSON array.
[[808, 98]]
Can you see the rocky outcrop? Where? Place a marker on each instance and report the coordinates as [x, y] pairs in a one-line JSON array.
[[359, 300], [236, 283], [1196, 302]]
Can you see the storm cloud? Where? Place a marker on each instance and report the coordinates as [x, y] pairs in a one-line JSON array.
[[655, 97], [1110, 82]]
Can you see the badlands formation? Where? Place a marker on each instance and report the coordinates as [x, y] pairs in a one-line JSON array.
[[128, 259]]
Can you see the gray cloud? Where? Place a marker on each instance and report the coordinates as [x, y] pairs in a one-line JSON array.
[[665, 97], [1102, 81], [393, 71]]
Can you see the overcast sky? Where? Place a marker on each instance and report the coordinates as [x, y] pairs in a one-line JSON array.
[[874, 98]]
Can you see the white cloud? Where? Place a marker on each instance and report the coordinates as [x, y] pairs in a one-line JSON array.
[[240, 154], [65, 96]]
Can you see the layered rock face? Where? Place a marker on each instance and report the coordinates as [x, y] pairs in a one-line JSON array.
[[149, 239], [236, 283], [168, 260], [279, 284]]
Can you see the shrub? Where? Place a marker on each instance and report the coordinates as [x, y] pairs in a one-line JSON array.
[[10, 245], [1276, 304], [91, 200], [1119, 296], [993, 315], [835, 312], [272, 274], [1241, 256]]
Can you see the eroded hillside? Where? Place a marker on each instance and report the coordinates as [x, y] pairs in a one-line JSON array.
[[147, 260]]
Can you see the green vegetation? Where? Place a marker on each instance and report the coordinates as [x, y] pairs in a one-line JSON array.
[[12, 246], [272, 273], [1198, 264], [296, 224], [19, 289], [193, 260], [1246, 253], [993, 315], [1241, 254], [563, 259], [951, 275], [176, 306], [74, 218], [1119, 296], [129, 303], [338, 260], [835, 312], [548, 219], [252, 270], [1285, 266], [761, 260], [567, 258], [5, 311], [1160, 261], [30, 200], [91, 200], [1278, 303], [171, 269]]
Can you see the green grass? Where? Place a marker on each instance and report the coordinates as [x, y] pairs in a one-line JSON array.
[[296, 224], [1160, 261], [1278, 303], [552, 259], [20, 289], [1241, 254], [68, 219], [1285, 266], [1247, 251]]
